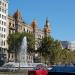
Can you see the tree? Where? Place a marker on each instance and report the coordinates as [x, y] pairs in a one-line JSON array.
[[45, 47], [55, 52], [50, 49], [15, 40], [30, 43], [65, 56], [72, 55]]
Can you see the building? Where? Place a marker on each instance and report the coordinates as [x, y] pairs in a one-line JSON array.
[[68, 45], [71, 45], [64, 44], [17, 24], [3, 29]]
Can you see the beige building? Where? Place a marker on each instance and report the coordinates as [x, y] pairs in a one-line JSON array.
[[17, 24]]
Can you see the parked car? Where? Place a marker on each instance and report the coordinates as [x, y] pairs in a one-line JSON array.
[[40, 69]]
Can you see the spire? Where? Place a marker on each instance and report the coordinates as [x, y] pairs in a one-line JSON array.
[[17, 12], [17, 15], [47, 27], [47, 23], [34, 24]]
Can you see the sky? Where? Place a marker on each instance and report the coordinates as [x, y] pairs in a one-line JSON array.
[[60, 13]]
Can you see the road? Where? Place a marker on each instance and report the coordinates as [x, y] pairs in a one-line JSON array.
[[14, 73]]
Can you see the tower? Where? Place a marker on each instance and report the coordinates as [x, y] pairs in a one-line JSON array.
[[3, 29], [34, 25], [47, 28], [18, 18]]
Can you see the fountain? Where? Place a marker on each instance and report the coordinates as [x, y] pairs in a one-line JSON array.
[[23, 60], [23, 57], [23, 51]]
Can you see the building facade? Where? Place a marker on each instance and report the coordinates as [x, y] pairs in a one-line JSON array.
[[3, 29], [64, 44], [68, 45], [71, 45], [17, 24]]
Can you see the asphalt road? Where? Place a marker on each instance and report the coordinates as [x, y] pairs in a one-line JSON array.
[[15, 73]]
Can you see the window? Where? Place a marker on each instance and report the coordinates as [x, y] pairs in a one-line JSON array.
[[0, 9], [2, 22], [4, 35], [4, 50], [4, 29], [9, 24], [24, 29], [5, 11], [4, 43], [5, 23], [9, 55], [0, 15], [5, 5], [13, 25], [0, 28], [27, 30], [0, 2], [5, 17], [12, 55]]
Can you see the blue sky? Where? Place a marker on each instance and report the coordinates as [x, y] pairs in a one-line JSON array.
[[60, 13]]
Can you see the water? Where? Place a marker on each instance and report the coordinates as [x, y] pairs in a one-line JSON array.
[[23, 51], [23, 57]]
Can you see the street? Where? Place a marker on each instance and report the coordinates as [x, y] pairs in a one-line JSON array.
[[14, 73]]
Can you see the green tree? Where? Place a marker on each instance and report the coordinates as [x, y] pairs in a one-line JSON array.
[[66, 56], [45, 47], [50, 49], [72, 55], [15, 40]]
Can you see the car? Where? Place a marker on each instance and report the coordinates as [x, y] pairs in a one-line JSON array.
[[40, 69]]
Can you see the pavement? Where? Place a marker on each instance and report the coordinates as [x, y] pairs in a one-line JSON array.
[[24, 72]]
